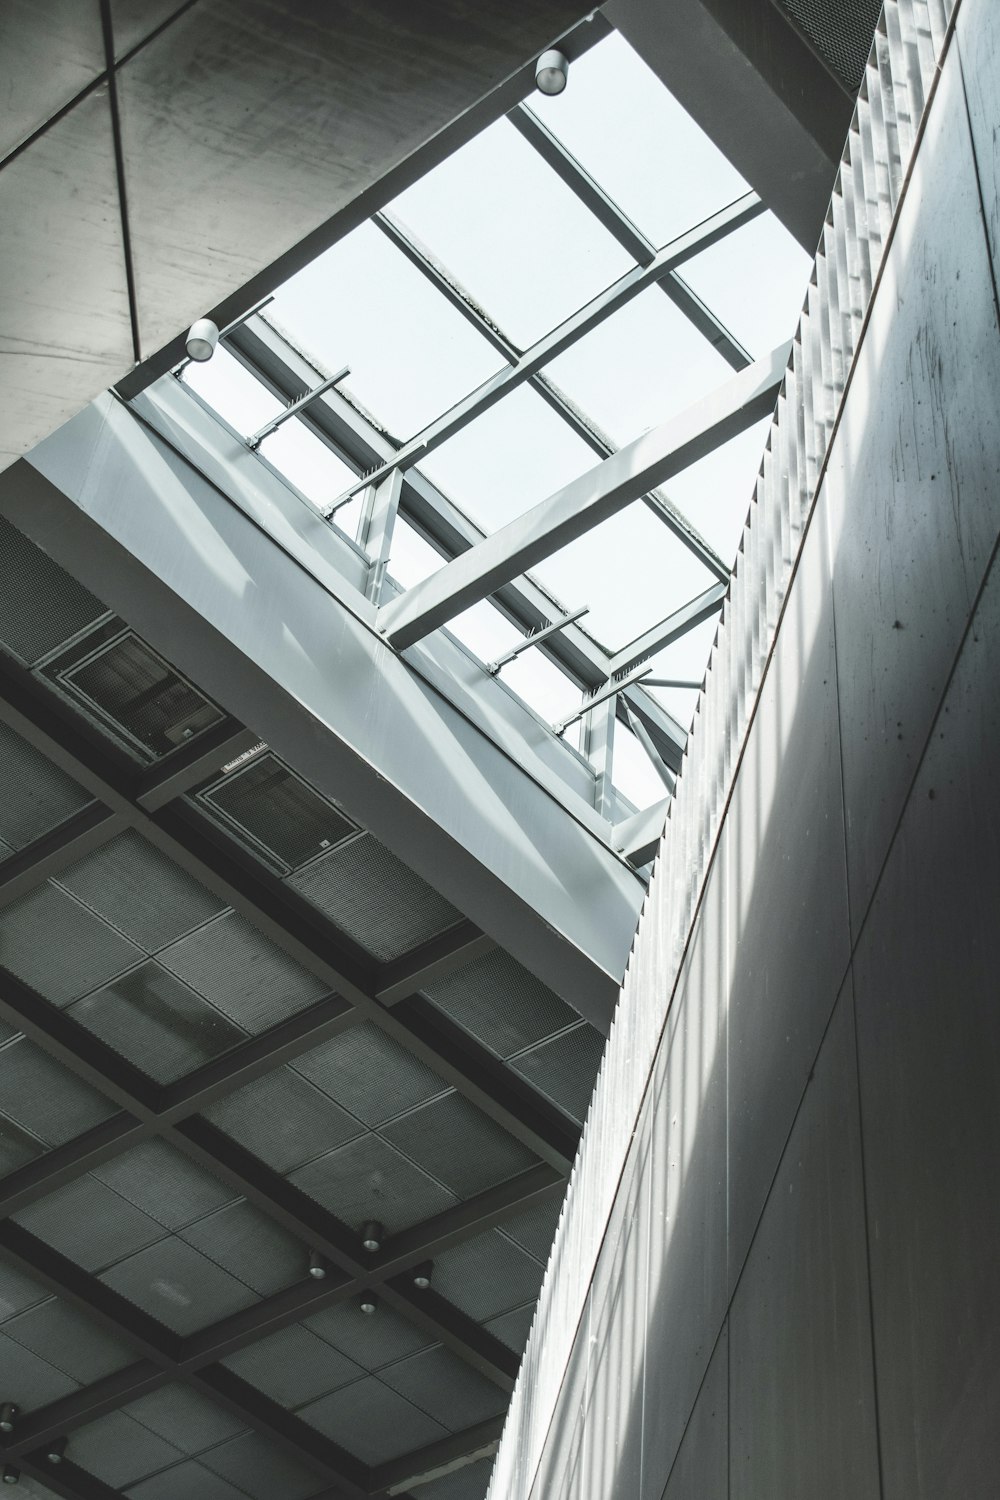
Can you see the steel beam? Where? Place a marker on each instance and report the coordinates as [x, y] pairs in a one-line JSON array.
[[586, 501], [676, 624], [78, 836]]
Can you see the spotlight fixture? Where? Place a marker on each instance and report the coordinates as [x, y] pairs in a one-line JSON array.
[[203, 335], [372, 1236], [551, 72], [8, 1411], [422, 1275], [11, 1474], [317, 1265], [368, 1304], [56, 1450]]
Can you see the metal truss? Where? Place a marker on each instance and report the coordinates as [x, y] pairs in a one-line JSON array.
[[381, 993]]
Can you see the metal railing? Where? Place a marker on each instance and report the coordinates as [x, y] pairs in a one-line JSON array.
[[899, 77]]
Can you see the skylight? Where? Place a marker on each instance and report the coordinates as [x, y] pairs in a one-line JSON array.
[[545, 234]]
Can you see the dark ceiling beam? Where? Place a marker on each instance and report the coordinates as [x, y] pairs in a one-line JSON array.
[[744, 72], [66, 1479], [56, 850], [431, 962], [291, 925]]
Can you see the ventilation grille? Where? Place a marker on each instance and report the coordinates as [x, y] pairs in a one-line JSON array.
[[133, 691], [841, 31], [40, 605], [276, 813]]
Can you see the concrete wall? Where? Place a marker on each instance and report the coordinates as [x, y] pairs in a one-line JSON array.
[[798, 1293]]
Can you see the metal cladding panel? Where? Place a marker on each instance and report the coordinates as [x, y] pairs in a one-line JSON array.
[[40, 604], [46, 1098], [565, 1068], [250, 1246], [283, 1119], [446, 1389], [163, 1183], [70, 1340], [370, 1341], [701, 1469], [500, 1003], [120, 1450], [841, 31], [427, 783], [18, 1290], [512, 1328], [534, 1229], [89, 1224], [293, 1366], [367, 1179], [242, 973], [141, 892], [369, 1074], [157, 1023], [185, 1418], [37, 795], [487, 1275], [64, 305], [190, 1479], [372, 1422], [375, 898], [36, 1381], [178, 1286]]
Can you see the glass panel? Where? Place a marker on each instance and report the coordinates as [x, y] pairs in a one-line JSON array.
[[486, 632], [684, 661], [413, 558], [715, 493], [639, 367], [232, 391], [622, 124], [517, 453], [631, 570], [363, 304], [632, 771], [512, 233], [545, 688], [755, 281], [311, 466]]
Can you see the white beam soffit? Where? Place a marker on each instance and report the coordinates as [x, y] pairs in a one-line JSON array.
[[582, 504]]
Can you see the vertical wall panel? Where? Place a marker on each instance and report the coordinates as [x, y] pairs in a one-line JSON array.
[[788, 918], [802, 1408], [701, 1470], [929, 1032], [913, 483], [978, 28]]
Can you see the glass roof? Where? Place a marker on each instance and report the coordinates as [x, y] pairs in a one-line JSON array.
[[430, 305]]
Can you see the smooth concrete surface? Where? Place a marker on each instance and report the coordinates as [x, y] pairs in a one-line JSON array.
[[836, 1117], [50, 51]]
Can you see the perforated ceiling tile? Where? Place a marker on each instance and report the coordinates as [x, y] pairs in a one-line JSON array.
[[367, 1179], [46, 1098], [841, 33], [18, 1290], [262, 1470], [29, 1381], [565, 1069], [370, 1342], [500, 1003], [17, 1146], [187, 1481], [370, 1074], [487, 1276], [535, 1228], [459, 1145], [468, 1483], [276, 813], [36, 794], [512, 1328], [240, 971], [250, 1246], [141, 892], [70, 1340], [119, 1450], [446, 1388], [40, 605], [374, 898], [293, 1365], [59, 948], [283, 1119], [185, 1418], [162, 1182], [156, 1021], [372, 1422], [88, 1223], [179, 1286]]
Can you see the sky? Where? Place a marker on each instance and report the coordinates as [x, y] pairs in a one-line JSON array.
[[520, 242]]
